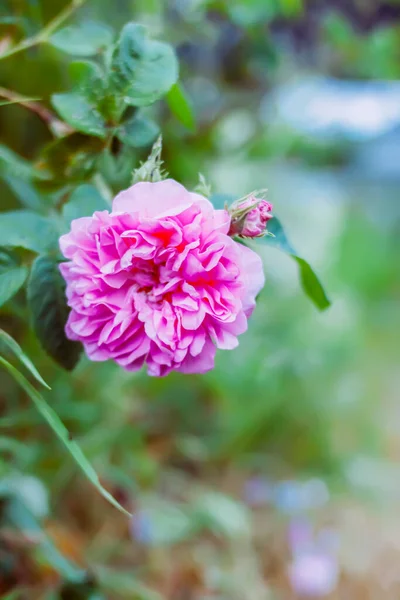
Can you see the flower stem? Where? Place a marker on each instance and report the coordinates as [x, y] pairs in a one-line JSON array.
[[46, 32]]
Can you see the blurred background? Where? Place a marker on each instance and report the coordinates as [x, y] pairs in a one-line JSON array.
[[277, 475]]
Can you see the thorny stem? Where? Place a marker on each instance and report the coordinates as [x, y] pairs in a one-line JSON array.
[[47, 31]]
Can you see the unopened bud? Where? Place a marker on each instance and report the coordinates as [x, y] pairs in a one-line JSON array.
[[249, 217]]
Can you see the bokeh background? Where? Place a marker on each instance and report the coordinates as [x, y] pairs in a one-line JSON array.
[[275, 476]]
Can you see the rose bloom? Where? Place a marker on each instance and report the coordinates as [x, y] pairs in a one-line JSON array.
[[158, 281]]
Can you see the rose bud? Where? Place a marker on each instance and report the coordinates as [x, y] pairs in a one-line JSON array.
[[249, 217]]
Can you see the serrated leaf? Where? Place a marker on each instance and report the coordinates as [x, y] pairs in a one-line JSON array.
[[138, 132], [180, 106], [62, 433], [142, 70], [77, 111], [83, 202], [309, 280], [85, 39], [11, 280], [27, 229], [49, 311], [16, 166], [19, 353]]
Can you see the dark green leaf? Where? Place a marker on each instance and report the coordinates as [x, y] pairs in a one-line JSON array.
[[49, 310], [309, 280], [25, 192], [83, 202], [85, 39], [14, 165], [27, 229], [138, 132], [19, 353], [180, 106], [62, 433], [78, 112], [143, 70], [11, 280], [70, 159]]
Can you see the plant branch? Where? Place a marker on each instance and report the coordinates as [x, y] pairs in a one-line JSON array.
[[46, 32], [57, 127]]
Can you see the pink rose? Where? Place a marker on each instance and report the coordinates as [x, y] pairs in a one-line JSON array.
[[158, 281], [250, 217]]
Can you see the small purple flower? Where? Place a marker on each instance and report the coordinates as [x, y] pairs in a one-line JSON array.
[[141, 528], [258, 491], [313, 574]]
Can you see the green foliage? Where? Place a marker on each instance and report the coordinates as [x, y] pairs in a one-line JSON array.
[[26, 229], [83, 202], [49, 311], [142, 70], [62, 433], [138, 131], [180, 105], [85, 39], [309, 280], [12, 278], [80, 114]]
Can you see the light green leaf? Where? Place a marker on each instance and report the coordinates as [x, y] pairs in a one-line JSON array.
[[26, 229], [25, 192], [12, 164], [180, 106], [142, 70], [83, 202], [85, 39], [49, 310], [62, 433], [138, 132], [78, 112], [309, 280], [19, 353], [221, 514], [11, 280]]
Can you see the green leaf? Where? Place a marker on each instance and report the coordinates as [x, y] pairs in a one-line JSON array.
[[70, 159], [49, 310], [25, 192], [19, 353], [78, 112], [138, 132], [14, 165], [88, 78], [62, 433], [83, 202], [221, 514], [11, 281], [27, 229], [180, 106], [142, 70], [309, 280], [85, 39]]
